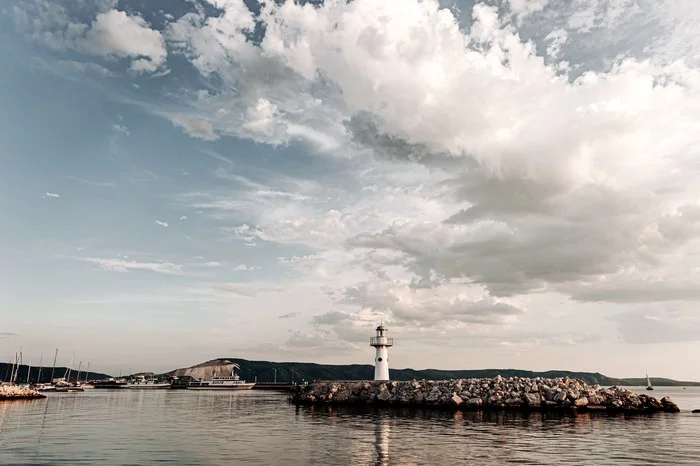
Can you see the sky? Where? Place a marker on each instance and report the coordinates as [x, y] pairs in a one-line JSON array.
[[503, 184]]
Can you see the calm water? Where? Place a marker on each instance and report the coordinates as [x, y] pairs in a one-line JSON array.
[[257, 427]]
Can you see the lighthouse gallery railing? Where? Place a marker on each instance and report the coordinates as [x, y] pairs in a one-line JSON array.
[[381, 341]]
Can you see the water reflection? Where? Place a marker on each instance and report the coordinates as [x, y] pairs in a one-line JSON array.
[[381, 439]]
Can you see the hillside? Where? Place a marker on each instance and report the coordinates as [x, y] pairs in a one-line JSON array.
[[5, 369], [298, 371]]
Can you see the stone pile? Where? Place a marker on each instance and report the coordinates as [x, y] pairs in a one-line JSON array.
[[18, 392], [493, 393]]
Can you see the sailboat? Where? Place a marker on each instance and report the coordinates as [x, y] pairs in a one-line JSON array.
[[649, 387]]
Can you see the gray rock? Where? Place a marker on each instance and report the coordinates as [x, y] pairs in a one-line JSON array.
[[533, 399]]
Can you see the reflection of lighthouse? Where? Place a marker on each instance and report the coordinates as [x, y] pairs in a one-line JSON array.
[[381, 439], [381, 360]]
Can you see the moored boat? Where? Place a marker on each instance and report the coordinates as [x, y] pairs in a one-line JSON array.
[[109, 383], [649, 387], [141, 382], [225, 382]]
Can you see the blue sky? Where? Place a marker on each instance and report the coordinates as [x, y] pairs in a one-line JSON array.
[[505, 184]]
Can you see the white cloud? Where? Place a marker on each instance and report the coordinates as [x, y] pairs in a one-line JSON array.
[[117, 33], [183, 217], [197, 127], [163, 224], [477, 177], [112, 33], [123, 265], [492, 193], [212, 264], [51, 195], [121, 129], [246, 268]]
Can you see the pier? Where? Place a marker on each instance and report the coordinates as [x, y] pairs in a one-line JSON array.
[[515, 393], [281, 386]]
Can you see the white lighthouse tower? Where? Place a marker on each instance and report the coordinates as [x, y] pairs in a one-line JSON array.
[[381, 361]]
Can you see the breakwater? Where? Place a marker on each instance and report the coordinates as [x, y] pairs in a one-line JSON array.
[[484, 394], [18, 392]]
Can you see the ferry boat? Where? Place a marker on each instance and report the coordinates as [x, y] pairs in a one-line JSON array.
[[141, 382], [225, 382], [110, 383]]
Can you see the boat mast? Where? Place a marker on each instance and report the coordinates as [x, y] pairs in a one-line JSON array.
[[7, 370], [29, 370], [41, 364], [54, 365], [12, 372], [18, 362], [66, 375], [87, 372], [80, 364]]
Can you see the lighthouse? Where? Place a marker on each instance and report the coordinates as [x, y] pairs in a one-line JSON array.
[[381, 360]]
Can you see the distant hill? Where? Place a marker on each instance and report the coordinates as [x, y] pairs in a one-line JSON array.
[[264, 371], [6, 368]]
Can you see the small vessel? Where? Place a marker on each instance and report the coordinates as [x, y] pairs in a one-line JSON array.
[[64, 386], [649, 387], [141, 382], [225, 382], [44, 387], [109, 383]]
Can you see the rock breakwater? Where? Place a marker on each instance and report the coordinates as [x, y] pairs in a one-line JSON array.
[[17, 392], [484, 394]]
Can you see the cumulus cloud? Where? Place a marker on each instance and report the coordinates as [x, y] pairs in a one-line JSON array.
[[51, 195], [471, 171], [163, 224], [490, 169], [112, 32]]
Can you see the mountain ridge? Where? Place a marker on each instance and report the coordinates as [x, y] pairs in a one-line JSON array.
[[264, 371]]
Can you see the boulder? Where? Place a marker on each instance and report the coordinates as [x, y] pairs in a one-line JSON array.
[[668, 405], [581, 402], [533, 399]]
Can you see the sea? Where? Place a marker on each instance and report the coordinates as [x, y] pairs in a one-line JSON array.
[[142, 427]]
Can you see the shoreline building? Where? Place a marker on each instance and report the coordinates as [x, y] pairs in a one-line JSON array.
[[381, 359]]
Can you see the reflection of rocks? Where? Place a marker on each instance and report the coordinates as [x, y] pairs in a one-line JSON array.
[[483, 394], [16, 392]]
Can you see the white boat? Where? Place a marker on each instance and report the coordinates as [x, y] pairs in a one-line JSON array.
[[141, 382], [225, 382], [649, 387]]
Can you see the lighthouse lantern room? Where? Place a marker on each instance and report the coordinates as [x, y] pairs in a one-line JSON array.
[[381, 360]]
